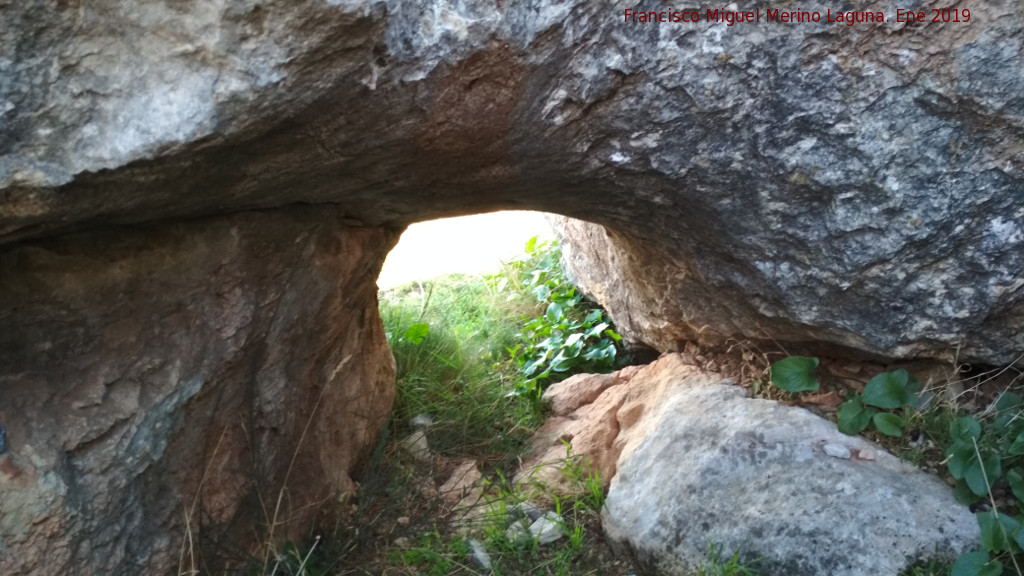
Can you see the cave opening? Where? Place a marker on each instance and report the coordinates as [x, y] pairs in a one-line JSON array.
[[481, 318]]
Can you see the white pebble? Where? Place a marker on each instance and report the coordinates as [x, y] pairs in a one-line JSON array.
[[837, 451]]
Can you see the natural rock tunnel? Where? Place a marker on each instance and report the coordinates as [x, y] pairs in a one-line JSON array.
[[195, 200]]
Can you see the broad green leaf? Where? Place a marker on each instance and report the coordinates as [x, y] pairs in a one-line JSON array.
[[1004, 419], [532, 367], [1007, 401], [960, 455], [562, 363], [992, 537], [993, 465], [793, 374], [416, 333], [977, 564], [1016, 482], [542, 293], [889, 424], [601, 354], [1011, 528], [852, 417], [593, 316], [981, 473], [1017, 448], [596, 330], [974, 476], [965, 428], [1016, 534], [964, 495], [887, 390], [573, 339], [554, 312]]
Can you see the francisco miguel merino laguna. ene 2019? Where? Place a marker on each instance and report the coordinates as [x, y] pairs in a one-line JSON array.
[[731, 17]]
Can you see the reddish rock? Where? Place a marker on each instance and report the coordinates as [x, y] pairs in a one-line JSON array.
[[209, 376], [599, 416]]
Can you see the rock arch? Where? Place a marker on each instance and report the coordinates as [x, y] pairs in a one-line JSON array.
[[184, 187]]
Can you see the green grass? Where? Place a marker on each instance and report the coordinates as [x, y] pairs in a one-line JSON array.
[[461, 345], [460, 373], [717, 565]]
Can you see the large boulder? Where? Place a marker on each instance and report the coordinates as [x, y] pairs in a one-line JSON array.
[[814, 182], [692, 463], [200, 386]]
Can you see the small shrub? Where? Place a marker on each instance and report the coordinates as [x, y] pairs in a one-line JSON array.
[[883, 395], [570, 336]]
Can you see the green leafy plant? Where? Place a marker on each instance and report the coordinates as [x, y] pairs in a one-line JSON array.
[[570, 336], [794, 374], [416, 333], [984, 454], [977, 564], [883, 395]]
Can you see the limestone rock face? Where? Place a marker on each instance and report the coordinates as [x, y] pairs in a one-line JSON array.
[[780, 484], [229, 371], [854, 185], [818, 183], [692, 462]]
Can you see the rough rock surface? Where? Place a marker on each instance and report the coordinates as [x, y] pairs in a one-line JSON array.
[[693, 462], [858, 185], [197, 369], [600, 416], [850, 185]]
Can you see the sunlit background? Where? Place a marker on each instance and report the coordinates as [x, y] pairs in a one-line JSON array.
[[466, 245]]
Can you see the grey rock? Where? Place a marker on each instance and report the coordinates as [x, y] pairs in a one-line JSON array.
[[529, 510], [518, 533], [479, 556], [421, 421], [717, 468], [186, 369], [836, 451], [548, 528], [743, 180], [417, 446]]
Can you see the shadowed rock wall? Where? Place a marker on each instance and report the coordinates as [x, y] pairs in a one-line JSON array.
[[856, 185], [198, 369]]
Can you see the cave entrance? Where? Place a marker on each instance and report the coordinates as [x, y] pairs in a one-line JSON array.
[[455, 296], [481, 317]]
